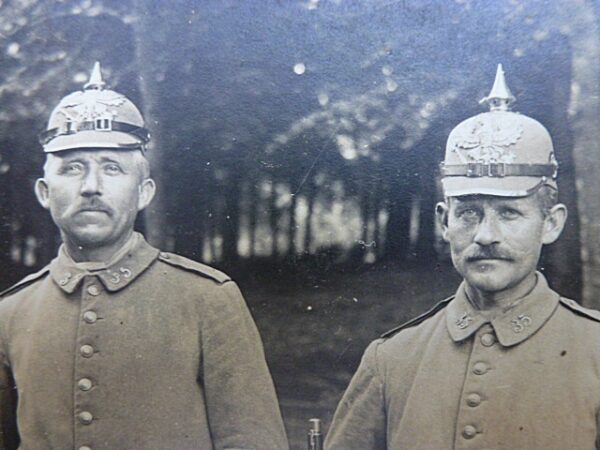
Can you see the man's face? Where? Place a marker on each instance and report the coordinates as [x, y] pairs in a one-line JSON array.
[[94, 195], [496, 241]]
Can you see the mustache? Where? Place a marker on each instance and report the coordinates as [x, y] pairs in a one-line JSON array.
[[490, 252], [94, 204]]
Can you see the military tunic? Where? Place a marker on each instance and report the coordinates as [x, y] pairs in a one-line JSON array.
[[529, 379], [154, 352]]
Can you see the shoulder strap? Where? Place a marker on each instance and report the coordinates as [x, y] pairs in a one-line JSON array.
[[417, 320], [25, 281], [578, 309], [193, 266]]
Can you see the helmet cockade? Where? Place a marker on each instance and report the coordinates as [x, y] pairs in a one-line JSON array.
[[498, 152], [95, 118]]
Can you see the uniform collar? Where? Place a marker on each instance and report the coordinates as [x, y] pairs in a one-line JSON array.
[[67, 274], [511, 327]]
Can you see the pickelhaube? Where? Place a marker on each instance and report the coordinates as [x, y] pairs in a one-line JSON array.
[[499, 152], [95, 118]]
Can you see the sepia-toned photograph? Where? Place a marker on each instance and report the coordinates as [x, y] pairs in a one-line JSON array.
[[299, 224]]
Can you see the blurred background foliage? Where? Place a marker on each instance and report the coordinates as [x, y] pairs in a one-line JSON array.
[[296, 145]]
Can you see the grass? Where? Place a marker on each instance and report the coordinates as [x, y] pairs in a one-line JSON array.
[[315, 328]]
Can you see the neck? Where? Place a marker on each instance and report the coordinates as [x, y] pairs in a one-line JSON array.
[[89, 253], [492, 302]]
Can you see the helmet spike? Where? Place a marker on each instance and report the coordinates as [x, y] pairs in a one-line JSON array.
[[95, 81], [500, 97]]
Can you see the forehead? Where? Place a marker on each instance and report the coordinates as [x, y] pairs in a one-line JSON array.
[[493, 200], [94, 155]]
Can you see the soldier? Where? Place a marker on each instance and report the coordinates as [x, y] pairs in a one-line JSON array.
[[505, 363], [116, 345]]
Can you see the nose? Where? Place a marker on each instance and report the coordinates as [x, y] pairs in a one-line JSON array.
[[488, 231], [91, 183]]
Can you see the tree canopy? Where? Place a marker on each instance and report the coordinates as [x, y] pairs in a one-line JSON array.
[[296, 129]]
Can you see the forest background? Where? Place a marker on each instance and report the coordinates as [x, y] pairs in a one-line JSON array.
[[296, 147]]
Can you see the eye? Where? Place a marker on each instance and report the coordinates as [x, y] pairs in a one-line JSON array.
[[72, 168], [112, 169], [509, 213], [468, 214]]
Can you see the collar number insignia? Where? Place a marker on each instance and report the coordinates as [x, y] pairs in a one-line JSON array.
[[520, 323], [65, 280], [464, 321], [115, 277]]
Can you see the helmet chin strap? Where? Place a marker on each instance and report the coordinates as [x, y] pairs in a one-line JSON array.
[[498, 170], [139, 132]]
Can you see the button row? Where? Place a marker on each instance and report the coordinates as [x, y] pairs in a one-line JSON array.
[[474, 399], [87, 351]]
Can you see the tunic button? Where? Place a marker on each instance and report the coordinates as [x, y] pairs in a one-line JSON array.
[[85, 384], [84, 448], [488, 340], [86, 351], [93, 290], [473, 399], [85, 417], [469, 432], [480, 368], [90, 316]]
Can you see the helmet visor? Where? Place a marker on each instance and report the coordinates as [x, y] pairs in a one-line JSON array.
[[93, 139]]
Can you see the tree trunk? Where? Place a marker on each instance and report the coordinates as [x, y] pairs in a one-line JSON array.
[[398, 226], [375, 211], [147, 37], [273, 220], [254, 203], [231, 219], [425, 249], [311, 193], [292, 226], [585, 113]]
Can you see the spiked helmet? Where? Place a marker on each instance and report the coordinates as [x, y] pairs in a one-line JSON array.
[[499, 152], [95, 117]]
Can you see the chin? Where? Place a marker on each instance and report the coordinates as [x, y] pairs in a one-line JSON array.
[[489, 280], [90, 238], [495, 281], [487, 285]]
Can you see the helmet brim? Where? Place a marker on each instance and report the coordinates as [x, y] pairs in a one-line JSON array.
[[93, 139], [502, 187]]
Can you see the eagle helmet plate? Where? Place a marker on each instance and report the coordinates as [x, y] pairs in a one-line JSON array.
[[499, 152], [95, 118]]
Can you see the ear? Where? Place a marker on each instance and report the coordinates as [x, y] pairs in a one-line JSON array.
[[441, 212], [147, 189], [554, 222], [42, 192]]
